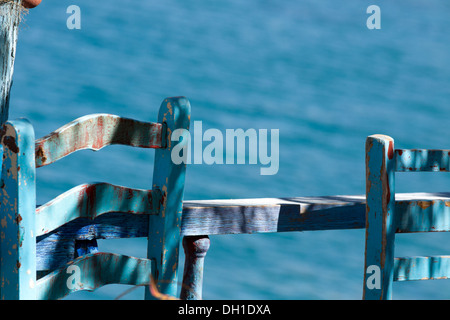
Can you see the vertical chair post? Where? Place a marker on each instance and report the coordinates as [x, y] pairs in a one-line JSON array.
[[380, 219], [17, 213], [168, 179], [195, 248], [9, 25]]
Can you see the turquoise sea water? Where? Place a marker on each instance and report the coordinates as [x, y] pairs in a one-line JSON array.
[[311, 69]]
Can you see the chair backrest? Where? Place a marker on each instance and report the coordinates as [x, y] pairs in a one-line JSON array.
[[76, 265], [385, 216]]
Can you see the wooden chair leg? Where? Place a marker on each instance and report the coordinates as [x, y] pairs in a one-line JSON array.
[[195, 249]]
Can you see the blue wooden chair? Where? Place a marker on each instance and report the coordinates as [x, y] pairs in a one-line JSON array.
[[386, 216], [76, 264]]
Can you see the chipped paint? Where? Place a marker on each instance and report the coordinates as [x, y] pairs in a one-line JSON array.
[[94, 132], [17, 211], [84, 201], [424, 204], [380, 222]]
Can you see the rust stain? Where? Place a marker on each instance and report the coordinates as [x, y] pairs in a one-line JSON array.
[[86, 200], [4, 222], [10, 142], [98, 143], [169, 107], [424, 204], [388, 191], [391, 150], [40, 154]]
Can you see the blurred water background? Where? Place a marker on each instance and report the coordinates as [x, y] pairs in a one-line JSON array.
[[311, 69]]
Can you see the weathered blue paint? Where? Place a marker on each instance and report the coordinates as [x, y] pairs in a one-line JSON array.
[[22, 223], [246, 216], [168, 177], [9, 26], [422, 268], [380, 220], [422, 160], [195, 249], [17, 212], [92, 271], [91, 201], [94, 132], [423, 216], [386, 215]]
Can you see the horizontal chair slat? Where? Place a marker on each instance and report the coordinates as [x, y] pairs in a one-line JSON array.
[[95, 132], [92, 271], [91, 201], [423, 216], [56, 248], [422, 160], [422, 268]]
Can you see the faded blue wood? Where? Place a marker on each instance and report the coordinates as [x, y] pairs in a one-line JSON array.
[[422, 160], [422, 268], [195, 249], [92, 271], [387, 214], [91, 201], [380, 220], [17, 212], [9, 26], [169, 178], [432, 215], [94, 132], [420, 212], [247, 216]]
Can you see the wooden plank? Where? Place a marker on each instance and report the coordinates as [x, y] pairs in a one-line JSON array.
[[92, 271], [56, 248], [422, 160], [17, 212], [95, 132], [91, 201], [165, 228], [422, 268], [231, 216], [263, 215], [54, 253], [9, 25], [380, 218], [237, 216]]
